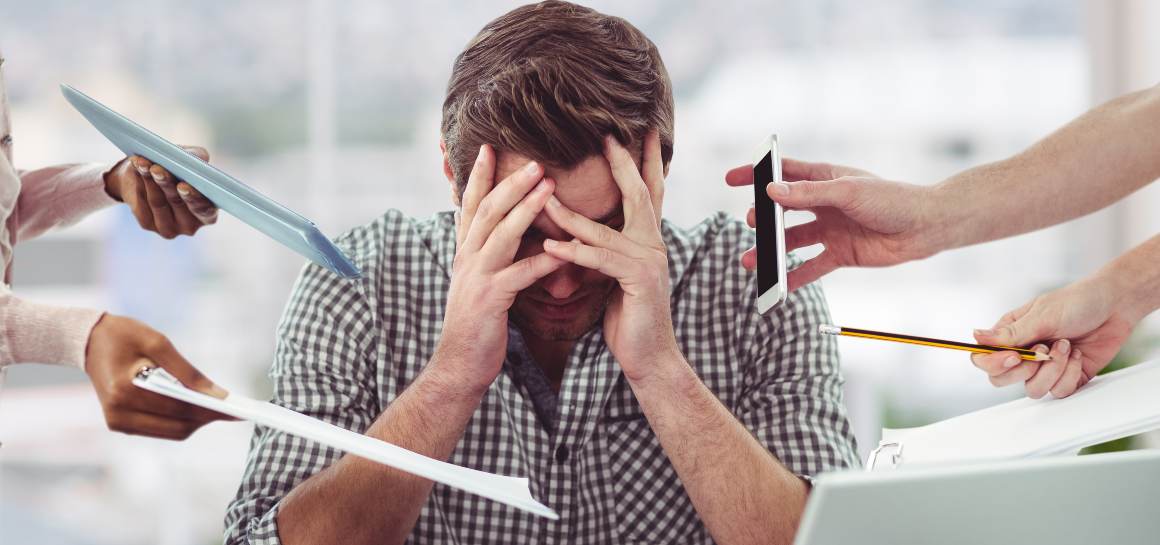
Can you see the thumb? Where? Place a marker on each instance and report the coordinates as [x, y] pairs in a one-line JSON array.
[[813, 194], [167, 357], [1021, 332], [199, 151]]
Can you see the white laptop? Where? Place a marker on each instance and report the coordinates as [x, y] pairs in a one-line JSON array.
[[1097, 499]]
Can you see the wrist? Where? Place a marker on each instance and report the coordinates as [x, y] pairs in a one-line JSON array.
[[664, 372], [452, 375], [1133, 285], [933, 232]]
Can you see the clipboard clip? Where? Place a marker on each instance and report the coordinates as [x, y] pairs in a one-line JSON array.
[[895, 456]]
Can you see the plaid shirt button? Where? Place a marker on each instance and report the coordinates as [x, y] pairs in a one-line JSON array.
[[562, 453]]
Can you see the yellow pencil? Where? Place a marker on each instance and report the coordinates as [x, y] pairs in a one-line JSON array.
[[1029, 355]]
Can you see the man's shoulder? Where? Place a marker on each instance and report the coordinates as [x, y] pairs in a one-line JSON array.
[[395, 238]]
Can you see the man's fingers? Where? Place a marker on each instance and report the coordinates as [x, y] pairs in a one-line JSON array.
[[653, 171], [811, 270], [1049, 372], [505, 239], [738, 176], [588, 231], [1072, 377], [499, 202], [638, 209], [525, 272], [479, 184], [604, 260]]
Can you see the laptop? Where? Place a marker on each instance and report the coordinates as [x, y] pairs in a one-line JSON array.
[[1080, 500]]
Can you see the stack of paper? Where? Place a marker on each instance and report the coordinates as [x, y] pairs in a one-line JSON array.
[[512, 491], [1115, 405]]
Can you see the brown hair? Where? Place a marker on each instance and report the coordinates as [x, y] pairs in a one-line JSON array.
[[549, 81]]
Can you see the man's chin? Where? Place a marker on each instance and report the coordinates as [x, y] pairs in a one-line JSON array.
[[547, 328]]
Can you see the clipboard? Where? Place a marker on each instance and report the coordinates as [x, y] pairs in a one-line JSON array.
[[513, 491], [226, 192], [1112, 406]]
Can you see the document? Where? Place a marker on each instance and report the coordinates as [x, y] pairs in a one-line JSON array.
[[512, 491], [1112, 406]]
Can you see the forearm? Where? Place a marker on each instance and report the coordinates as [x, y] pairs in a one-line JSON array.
[[359, 501], [1087, 165], [1135, 277], [741, 491]]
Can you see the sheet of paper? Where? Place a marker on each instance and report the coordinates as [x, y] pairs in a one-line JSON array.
[[1111, 406], [512, 491]]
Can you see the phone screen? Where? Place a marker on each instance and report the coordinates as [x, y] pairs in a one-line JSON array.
[[767, 227]]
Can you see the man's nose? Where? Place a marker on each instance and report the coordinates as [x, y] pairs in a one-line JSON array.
[[563, 282]]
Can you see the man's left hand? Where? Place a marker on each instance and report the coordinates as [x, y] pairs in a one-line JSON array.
[[160, 202], [638, 325]]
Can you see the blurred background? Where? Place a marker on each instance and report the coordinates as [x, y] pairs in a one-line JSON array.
[[333, 109]]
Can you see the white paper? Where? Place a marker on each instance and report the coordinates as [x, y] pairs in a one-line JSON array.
[[512, 491], [1119, 404]]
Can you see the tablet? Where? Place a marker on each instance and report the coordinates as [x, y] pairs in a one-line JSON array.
[[226, 192]]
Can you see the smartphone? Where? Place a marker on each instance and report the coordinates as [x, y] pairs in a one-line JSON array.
[[771, 261]]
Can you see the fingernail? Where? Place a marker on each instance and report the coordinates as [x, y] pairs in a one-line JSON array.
[[553, 201], [531, 168], [218, 392], [984, 332], [1065, 346], [183, 191], [549, 243], [479, 155], [1010, 362], [780, 189]]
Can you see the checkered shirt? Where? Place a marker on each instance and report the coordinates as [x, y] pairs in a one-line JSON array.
[[347, 348]]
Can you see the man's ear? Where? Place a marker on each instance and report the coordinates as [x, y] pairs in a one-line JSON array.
[[447, 172]]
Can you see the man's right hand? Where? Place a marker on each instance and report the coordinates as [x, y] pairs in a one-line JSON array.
[[484, 279], [120, 347], [862, 220]]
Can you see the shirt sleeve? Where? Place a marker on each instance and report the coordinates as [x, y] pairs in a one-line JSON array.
[[792, 399], [57, 196], [37, 333], [323, 367]]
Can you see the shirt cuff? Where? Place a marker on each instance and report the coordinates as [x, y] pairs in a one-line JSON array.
[[37, 333], [90, 193]]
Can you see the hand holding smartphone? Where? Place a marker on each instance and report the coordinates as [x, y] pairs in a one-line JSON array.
[[771, 259]]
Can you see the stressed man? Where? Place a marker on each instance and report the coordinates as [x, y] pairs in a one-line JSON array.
[[555, 327]]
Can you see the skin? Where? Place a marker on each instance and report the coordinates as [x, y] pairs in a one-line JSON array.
[[161, 203], [1090, 163], [527, 246], [119, 347]]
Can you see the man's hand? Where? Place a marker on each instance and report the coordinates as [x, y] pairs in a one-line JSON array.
[[862, 220], [120, 347], [1091, 327], [160, 203], [485, 281], [637, 323]]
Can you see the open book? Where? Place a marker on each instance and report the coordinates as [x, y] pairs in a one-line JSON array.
[[1112, 406], [512, 491]]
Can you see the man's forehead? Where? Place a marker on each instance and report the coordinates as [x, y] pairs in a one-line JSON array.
[[588, 188]]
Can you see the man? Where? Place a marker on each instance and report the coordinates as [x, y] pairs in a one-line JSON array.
[[110, 349], [625, 373]]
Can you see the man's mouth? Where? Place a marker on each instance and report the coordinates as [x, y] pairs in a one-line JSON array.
[[559, 309]]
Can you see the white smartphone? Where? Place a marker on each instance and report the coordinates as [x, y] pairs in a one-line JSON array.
[[771, 261]]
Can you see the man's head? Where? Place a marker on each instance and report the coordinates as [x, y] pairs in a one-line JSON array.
[[547, 82]]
